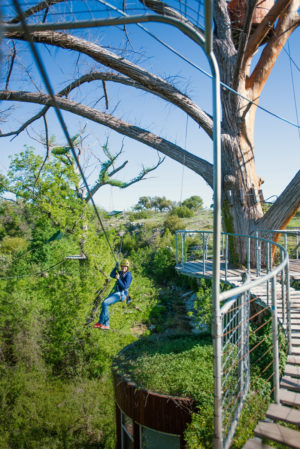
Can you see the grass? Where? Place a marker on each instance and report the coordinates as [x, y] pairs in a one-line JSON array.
[[177, 365]]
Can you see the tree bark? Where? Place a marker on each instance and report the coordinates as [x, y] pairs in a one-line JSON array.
[[242, 196]]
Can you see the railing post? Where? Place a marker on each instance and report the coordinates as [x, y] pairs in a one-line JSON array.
[[288, 305], [275, 342], [181, 241], [176, 234], [248, 254], [226, 257], [268, 269], [284, 305], [285, 241], [258, 255], [203, 252]]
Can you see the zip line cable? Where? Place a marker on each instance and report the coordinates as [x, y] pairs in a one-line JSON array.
[[204, 72], [47, 83], [224, 85], [183, 165], [293, 87], [33, 274], [291, 59]]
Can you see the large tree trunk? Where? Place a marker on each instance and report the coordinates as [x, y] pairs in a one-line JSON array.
[[242, 195]]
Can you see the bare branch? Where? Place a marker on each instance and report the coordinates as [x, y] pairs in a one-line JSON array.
[[112, 173], [151, 82], [105, 94], [244, 36], [265, 26], [198, 165], [284, 28], [223, 24], [13, 56], [26, 124], [47, 150], [36, 8], [284, 208]]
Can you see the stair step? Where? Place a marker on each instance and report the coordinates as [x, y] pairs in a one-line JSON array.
[[296, 341], [282, 413], [278, 433], [296, 351], [255, 443], [292, 370], [290, 383], [289, 398], [293, 359]]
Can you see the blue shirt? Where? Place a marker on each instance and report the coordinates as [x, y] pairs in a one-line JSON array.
[[124, 281]]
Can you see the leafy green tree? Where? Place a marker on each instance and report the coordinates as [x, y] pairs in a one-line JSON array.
[[144, 202], [195, 202], [182, 212]]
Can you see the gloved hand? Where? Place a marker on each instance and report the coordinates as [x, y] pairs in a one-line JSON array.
[[117, 265]]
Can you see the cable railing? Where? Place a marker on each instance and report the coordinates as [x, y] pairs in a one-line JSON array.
[[289, 238], [253, 313]]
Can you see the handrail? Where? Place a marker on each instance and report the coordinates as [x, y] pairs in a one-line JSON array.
[[233, 334]]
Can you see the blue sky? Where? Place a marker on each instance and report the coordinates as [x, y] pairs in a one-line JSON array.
[[277, 144]]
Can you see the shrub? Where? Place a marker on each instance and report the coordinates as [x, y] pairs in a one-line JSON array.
[[182, 212], [173, 223], [139, 215]]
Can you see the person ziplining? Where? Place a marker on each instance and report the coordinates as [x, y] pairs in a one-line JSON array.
[[119, 292]]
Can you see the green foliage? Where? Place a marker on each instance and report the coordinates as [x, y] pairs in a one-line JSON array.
[[161, 364], [163, 264], [195, 202], [53, 191], [156, 203], [12, 244], [182, 212], [139, 215], [173, 223]]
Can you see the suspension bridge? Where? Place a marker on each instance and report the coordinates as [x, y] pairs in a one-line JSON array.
[[262, 290]]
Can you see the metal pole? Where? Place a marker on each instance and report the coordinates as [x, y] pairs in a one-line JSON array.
[[226, 257], [257, 269], [181, 249], [176, 234], [248, 254], [275, 342], [288, 307], [284, 323], [217, 324], [267, 266], [203, 252]]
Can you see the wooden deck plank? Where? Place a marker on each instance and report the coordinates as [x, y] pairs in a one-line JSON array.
[[293, 359], [289, 398], [290, 383], [255, 443], [282, 413], [292, 370], [278, 433]]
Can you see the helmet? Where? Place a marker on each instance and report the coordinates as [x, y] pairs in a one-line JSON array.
[[125, 263]]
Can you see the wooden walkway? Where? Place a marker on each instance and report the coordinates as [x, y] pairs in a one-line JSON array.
[[288, 411]]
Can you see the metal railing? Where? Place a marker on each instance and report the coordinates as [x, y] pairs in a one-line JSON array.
[[246, 310], [289, 238]]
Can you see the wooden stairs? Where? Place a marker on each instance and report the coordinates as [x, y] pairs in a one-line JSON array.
[[279, 416]]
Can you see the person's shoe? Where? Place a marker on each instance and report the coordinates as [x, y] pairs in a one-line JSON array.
[[98, 325], [102, 326]]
